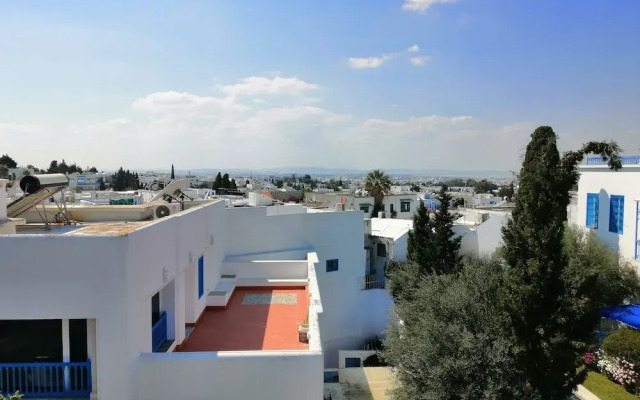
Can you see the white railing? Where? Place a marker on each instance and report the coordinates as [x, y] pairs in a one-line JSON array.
[[368, 282]]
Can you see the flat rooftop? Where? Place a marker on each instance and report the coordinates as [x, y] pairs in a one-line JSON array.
[[83, 228], [259, 318]]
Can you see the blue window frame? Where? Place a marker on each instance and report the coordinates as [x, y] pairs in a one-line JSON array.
[[200, 276], [593, 207], [332, 265], [616, 214]]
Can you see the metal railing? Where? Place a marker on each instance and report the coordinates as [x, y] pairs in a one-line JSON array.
[[626, 160], [159, 332], [368, 282], [62, 379]]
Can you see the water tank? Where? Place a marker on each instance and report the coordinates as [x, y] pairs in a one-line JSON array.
[[32, 183]]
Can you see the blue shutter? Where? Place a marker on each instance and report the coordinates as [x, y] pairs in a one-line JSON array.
[[593, 207], [200, 276], [616, 214]]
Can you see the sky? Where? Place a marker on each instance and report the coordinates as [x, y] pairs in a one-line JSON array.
[[412, 84]]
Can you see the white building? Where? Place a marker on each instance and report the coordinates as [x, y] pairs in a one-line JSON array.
[[205, 303], [608, 204], [395, 205], [86, 181]]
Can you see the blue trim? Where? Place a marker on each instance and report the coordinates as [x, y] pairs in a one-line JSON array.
[[200, 277], [626, 160], [593, 210], [332, 265], [616, 214], [159, 332], [46, 379]]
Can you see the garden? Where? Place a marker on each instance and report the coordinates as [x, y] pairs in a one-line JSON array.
[[615, 366]]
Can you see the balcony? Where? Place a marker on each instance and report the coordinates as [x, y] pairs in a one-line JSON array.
[[61, 379], [369, 282]]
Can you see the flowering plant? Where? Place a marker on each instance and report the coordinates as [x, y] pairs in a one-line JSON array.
[[620, 370]]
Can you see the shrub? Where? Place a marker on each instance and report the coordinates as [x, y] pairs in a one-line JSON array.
[[623, 343], [15, 396], [374, 360]]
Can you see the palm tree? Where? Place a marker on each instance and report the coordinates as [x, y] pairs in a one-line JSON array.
[[377, 183]]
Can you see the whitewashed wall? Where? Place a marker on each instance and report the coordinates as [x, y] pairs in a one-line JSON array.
[[606, 183], [269, 375]]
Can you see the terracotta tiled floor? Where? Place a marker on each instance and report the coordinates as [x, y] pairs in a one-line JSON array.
[[251, 327]]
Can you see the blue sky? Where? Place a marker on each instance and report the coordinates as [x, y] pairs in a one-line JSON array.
[[356, 84]]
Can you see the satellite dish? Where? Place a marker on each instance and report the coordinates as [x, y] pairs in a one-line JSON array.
[[162, 211]]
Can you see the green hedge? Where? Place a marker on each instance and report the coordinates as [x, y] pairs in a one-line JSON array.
[[624, 343]]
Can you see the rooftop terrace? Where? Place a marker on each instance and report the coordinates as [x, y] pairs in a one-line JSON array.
[[255, 318]]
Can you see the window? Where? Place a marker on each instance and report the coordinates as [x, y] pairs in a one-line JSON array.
[[352, 362], [381, 250], [616, 214], [593, 206], [405, 206], [332, 265], [200, 276], [364, 208]]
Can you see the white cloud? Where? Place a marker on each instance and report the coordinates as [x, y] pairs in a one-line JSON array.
[[297, 113], [255, 85], [180, 102], [413, 49], [421, 5], [368, 62], [419, 61]]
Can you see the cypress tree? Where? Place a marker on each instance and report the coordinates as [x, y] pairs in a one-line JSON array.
[[540, 302], [447, 258], [217, 184], [226, 183], [173, 172], [420, 241]]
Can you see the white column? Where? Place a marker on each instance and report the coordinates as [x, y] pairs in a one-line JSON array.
[[92, 352], [66, 352]]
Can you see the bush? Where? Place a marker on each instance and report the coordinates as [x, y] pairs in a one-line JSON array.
[[623, 343], [374, 361], [15, 396]]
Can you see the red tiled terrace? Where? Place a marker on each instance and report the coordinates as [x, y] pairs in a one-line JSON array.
[[243, 326]]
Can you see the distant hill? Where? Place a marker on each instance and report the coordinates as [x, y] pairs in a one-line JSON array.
[[319, 171]]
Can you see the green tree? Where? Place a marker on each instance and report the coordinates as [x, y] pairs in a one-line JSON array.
[[537, 297], [217, 183], [93, 170], [448, 342], [53, 167], [8, 161], [233, 185], [484, 186], [507, 191], [4, 171], [226, 183], [446, 246], [377, 183], [420, 243], [173, 173], [63, 168]]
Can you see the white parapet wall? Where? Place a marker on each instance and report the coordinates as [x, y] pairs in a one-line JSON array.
[[266, 269], [266, 375]]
